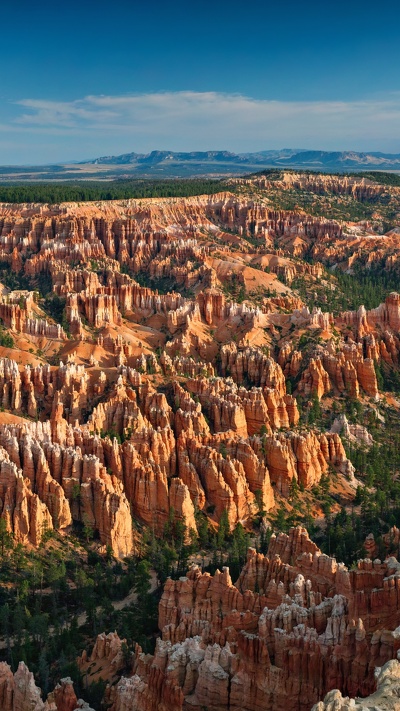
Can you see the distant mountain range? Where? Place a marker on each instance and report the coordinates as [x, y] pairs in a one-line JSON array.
[[171, 164], [280, 158]]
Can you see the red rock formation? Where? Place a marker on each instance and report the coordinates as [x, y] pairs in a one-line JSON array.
[[212, 305], [170, 403], [281, 637], [106, 659], [116, 479], [19, 692], [64, 696], [345, 370], [258, 367], [135, 433], [386, 697]]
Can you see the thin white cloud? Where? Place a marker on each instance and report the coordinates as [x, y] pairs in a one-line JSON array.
[[65, 114], [189, 120]]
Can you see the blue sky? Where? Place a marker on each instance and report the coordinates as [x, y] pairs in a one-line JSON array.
[[83, 79]]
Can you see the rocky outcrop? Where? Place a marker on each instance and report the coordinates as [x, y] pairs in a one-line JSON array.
[[106, 660], [385, 316], [45, 492], [217, 445], [64, 697], [252, 362], [351, 432], [184, 360], [174, 401], [26, 515], [389, 544], [347, 371], [244, 411], [18, 692], [295, 626], [385, 698]]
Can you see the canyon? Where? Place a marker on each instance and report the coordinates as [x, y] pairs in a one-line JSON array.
[[182, 364], [294, 627]]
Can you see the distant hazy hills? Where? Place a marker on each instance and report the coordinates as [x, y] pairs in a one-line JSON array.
[[285, 157], [157, 157], [170, 164]]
